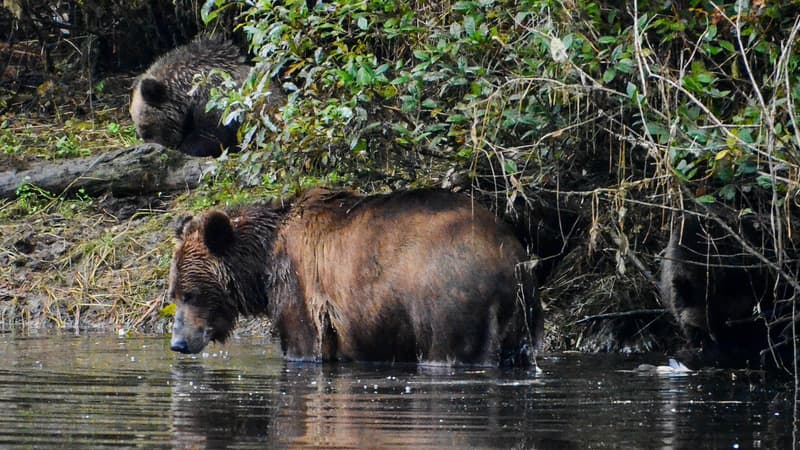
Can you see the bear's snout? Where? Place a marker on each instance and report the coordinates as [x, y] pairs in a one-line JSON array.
[[179, 345], [189, 335], [191, 343]]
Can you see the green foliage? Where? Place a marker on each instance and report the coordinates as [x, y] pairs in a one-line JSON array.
[[377, 81], [9, 144], [75, 139], [68, 147], [100, 87], [32, 199], [733, 108], [125, 134], [522, 92]]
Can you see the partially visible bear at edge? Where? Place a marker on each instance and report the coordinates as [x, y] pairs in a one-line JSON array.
[[169, 109], [723, 297], [415, 276]]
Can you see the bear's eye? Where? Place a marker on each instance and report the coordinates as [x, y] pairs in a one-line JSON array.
[[189, 297]]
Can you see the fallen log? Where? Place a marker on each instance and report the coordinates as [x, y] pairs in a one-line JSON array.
[[140, 169]]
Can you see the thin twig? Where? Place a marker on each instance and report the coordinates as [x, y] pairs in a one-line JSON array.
[[617, 315]]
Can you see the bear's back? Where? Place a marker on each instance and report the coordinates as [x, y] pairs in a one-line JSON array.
[[179, 66], [428, 267]]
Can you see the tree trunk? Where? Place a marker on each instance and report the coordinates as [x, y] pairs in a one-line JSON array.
[[135, 170]]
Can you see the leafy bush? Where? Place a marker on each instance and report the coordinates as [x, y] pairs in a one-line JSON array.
[[378, 86], [704, 93]]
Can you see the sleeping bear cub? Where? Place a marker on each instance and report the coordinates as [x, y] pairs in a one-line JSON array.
[[169, 108]]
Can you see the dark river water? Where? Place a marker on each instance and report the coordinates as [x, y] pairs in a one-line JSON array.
[[105, 391]]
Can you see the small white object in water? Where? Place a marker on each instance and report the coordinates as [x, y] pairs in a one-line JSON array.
[[408, 389], [674, 367], [122, 332]]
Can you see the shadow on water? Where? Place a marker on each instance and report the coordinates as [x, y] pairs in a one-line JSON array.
[[100, 391]]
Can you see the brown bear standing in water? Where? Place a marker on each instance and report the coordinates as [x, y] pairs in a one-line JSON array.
[[169, 109], [416, 276], [720, 295]]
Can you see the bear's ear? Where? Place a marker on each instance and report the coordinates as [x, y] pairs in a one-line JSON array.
[[218, 232], [153, 91], [181, 227]]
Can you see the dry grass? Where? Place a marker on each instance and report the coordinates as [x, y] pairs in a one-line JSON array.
[[75, 262], [85, 269]]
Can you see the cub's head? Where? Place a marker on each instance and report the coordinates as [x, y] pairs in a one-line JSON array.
[[202, 282], [157, 115]]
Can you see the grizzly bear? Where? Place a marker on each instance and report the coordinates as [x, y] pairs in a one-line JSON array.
[[415, 276], [169, 107], [720, 295]]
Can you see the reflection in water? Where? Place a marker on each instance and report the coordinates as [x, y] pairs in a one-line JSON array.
[[581, 400], [103, 391], [350, 406], [214, 409]]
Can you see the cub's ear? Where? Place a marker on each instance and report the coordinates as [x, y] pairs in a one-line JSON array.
[[218, 232], [153, 91], [182, 226]]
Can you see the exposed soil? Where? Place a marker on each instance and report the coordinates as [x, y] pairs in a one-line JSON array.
[[100, 265], [74, 261]]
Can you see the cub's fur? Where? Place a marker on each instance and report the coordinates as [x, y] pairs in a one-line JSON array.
[[168, 107]]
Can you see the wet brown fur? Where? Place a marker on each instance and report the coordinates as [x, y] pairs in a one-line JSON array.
[[170, 110], [411, 276], [714, 289]]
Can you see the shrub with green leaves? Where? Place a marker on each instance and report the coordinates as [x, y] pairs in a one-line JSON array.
[[536, 89], [386, 85]]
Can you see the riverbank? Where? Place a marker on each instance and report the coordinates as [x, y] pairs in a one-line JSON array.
[[81, 262]]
